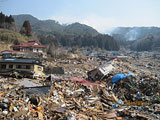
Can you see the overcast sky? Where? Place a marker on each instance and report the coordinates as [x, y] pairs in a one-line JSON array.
[[100, 14]]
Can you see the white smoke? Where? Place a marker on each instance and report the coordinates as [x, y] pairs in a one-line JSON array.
[[132, 34]]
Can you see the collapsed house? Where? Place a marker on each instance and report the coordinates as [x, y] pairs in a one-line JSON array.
[[12, 53], [72, 97], [21, 67], [23, 60], [20, 54]]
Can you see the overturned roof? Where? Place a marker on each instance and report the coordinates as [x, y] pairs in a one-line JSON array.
[[28, 61]]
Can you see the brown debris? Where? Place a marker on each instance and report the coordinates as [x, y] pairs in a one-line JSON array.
[[70, 98]]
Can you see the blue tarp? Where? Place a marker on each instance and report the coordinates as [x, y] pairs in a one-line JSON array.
[[120, 77], [111, 53]]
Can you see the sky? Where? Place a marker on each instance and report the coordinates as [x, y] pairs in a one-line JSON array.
[[103, 15]]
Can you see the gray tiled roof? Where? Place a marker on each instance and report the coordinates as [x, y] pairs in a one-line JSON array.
[[12, 60]]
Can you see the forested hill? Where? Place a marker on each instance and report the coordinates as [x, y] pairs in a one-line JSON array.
[[138, 38], [54, 26], [9, 34], [76, 34]]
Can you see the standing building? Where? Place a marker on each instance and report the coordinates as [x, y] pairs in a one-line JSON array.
[[31, 46], [22, 67], [31, 49]]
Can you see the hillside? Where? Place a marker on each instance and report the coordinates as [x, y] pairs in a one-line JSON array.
[[135, 33], [50, 32], [8, 32], [19, 19], [9, 37], [53, 26], [147, 43], [138, 38], [79, 29]]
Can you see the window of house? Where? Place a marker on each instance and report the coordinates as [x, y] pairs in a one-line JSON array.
[[19, 66], [40, 49], [23, 67], [39, 69], [3, 66], [28, 67], [34, 49], [11, 66]]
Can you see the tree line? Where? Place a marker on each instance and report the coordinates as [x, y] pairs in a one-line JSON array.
[[7, 22], [100, 41]]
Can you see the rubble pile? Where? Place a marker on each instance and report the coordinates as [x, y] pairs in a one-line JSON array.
[[69, 98], [74, 68]]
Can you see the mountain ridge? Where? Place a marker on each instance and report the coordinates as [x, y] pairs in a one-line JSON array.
[[51, 33], [135, 33], [138, 38], [53, 26]]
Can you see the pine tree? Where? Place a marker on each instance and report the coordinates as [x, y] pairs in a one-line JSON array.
[[11, 20], [2, 20], [26, 28]]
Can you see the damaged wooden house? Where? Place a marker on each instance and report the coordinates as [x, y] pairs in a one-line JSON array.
[[23, 60], [21, 68]]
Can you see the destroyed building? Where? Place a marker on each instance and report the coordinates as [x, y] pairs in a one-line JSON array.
[[70, 96], [20, 54], [24, 67], [100, 72]]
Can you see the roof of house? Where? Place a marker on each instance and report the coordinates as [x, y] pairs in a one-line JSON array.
[[25, 61], [30, 44], [11, 51]]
